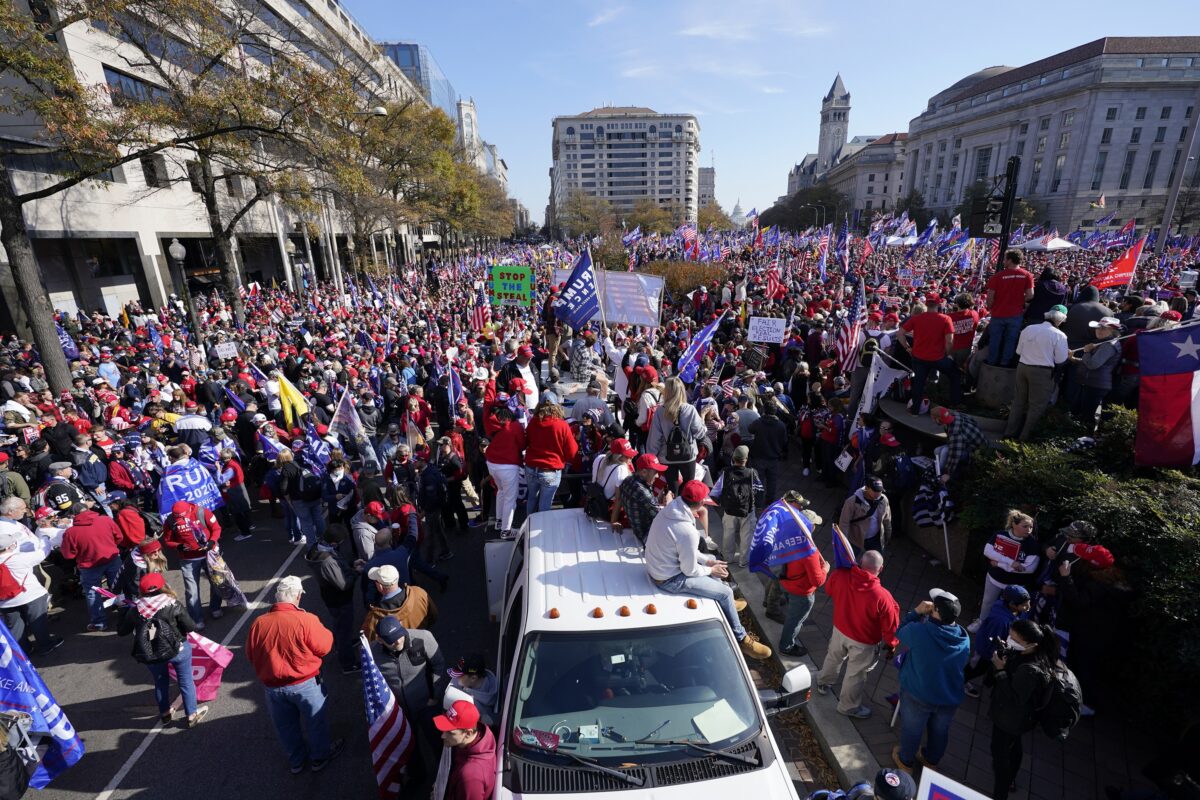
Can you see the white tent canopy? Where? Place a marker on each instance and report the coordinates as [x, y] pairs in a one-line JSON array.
[[1038, 245], [900, 241]]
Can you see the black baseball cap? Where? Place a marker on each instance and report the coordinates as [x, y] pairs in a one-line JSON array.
[[892, 784]]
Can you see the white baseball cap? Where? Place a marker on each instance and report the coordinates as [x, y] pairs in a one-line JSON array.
[[385, 574]]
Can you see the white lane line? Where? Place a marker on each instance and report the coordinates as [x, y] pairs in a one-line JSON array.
[[113, 784]]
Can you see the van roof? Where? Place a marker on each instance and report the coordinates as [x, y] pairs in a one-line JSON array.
[[576, 564]]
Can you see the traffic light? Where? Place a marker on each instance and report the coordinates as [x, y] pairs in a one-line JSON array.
[[987, 217]]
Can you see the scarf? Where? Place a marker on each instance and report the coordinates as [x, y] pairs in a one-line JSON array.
[[150, 605]]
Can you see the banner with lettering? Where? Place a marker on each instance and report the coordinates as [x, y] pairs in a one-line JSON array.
[[190, 481], [512, 285]]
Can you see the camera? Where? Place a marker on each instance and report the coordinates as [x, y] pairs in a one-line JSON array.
[[1001, 647]]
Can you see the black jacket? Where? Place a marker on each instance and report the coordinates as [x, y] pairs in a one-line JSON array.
[[1020, 689], [770, 439], [335, 577]]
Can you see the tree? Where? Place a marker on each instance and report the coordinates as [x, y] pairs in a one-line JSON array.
[[651, 217], [1187, 205], [976, 191], [584, 215], [914, 204], [815, 205], [1025, 212], [713, 216]]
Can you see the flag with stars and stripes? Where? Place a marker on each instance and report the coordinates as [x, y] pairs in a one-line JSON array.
[[850, 335], [773, 283], [481, 312], [843, 246], [823, 249], [391, 736]]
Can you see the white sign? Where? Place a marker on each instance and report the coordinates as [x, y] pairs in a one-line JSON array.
[[1187, 279], [227, 350], [629, 298], [935, 786], [767, 329]]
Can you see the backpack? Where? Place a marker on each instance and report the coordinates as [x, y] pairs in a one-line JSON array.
[[677, 447], [1059, 714], [905, 472], [737, 493], [310, 485], [185, 525], [156, 641], [597, 504], [650, 412], [154, 523]]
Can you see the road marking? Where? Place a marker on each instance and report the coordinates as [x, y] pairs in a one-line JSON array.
[[115, 783]]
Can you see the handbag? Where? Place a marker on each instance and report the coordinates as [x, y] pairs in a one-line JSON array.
[[597, 503]]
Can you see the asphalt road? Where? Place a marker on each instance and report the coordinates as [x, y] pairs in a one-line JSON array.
[[109, 697]]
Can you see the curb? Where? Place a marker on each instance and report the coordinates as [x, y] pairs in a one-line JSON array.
[[843, 745]]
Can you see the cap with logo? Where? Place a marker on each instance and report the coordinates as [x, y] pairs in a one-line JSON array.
[[474, 664], [649, 461], [390, 631], [461, 716]]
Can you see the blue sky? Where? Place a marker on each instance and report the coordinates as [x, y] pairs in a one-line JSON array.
[[753, 72]]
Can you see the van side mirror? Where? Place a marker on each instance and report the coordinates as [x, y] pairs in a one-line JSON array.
[[794, 692]]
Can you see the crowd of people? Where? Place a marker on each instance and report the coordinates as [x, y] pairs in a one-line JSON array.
[[387, 426]]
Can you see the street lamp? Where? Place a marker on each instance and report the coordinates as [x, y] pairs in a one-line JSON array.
[[178, 253], [377, 111]]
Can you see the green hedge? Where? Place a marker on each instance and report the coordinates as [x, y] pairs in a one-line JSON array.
[[1149, 519]]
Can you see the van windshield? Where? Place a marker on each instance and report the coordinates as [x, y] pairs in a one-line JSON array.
[[601, 692]]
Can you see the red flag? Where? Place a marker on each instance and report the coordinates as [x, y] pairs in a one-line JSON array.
[[1168, 432], [1121, 271], [867, 250]]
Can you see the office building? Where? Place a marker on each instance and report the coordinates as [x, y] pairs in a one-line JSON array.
[[871, 176], [422, 69], [708, 187], [623, 154], [832, 142]]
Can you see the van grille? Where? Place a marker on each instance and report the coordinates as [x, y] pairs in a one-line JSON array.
[[535, 778]]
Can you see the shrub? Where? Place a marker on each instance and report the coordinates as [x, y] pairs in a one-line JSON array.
[[683, 277]]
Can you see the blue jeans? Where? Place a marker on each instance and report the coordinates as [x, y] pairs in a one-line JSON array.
[[921, 370], [798, 609], [183, 674], [540, 489], [91, 577], [291, 523], [296, 710], [710, 588], [918, 718], [1003, 333], [30, 618], [192, 569], [311, 520]]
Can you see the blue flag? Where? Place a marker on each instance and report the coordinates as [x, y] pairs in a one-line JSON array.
[[690, 360], [782, 534], [70, 349], [922, 240], [316, 449], [22, 689], [270, 447], [234, 400], [259, 376], [190, 481], [156, 340], [843, 553], [579, 302]]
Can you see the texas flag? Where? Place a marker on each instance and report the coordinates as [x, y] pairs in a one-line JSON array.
[[1168, 432], [1121, 271]]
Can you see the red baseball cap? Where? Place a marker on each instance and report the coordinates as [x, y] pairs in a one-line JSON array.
[[650, 461], [649, 373], [462, 716], [519, 385], [181, 507], [375, 509], [525, 351], [1097, 555], [151, 582], [621, 447], [695, 492]]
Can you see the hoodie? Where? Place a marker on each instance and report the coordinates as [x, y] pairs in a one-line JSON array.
[[335, 578], [485, 696], [1087, 309], [995, 626], [937, 657], [862, 609], [91, 540], [473, 769]]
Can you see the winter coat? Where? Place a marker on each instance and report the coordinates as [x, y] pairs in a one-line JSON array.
[[412, 606], [335, 577], [995, 626], [862, 609], [937, 657], [417, 674], [473, 769], [1020, 689], [855, 518], [92, 540], [804, 576]]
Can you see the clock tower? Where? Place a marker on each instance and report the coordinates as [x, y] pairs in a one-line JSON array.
[[835, 117]]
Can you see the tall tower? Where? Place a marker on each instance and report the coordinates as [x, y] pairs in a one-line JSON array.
[[835, 116]]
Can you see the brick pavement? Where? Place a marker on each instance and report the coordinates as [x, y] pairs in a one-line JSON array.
[[1101, 751]]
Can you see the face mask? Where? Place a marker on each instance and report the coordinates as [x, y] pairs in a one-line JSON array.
[[1013, 644], [337, 476]]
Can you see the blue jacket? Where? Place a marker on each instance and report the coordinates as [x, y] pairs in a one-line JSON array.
[[330, 491], [937, 655], [995, 625]]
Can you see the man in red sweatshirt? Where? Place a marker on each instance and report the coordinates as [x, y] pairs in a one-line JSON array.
[[472, 755], [92, 542], [193, 531], [865, 615]]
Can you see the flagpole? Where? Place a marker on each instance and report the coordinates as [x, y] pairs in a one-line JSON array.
[[1189, 324], [596, 274]]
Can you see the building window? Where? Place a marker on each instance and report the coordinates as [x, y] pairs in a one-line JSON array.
[[154, 171], [1174, 166], [1021, 147], [1141, 62], [941, 162], [954, 160], [1111, 113], [1068, 119], [1023, 129], [233, 185], [983, 163], [868, 206], [871, 178], [1160, 135], [1135, 135], [1151, 168], [1106, 136], [1187, 113], [1044, 124], [942, 146], [1056, 178], [1098, 170], [1165, 113], [1041, 144], [1064, 139], [953, 177], [1183, 133], [1127, 169], [957, 143], [870, 190], [195, 178], [1141, 113], [1034, 175], [126, 89]]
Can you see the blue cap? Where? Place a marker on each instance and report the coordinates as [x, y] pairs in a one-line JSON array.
[[1015, 595], [389, 630]]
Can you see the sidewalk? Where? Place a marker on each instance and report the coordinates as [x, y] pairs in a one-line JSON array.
[[1101, 751]]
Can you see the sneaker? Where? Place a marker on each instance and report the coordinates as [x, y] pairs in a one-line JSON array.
[[296, 770], [971, 690], [823, 688], [508, 535], [862, 712], [194, 719], [739, 604], [55, 643], [753, 648], [97, 628], [794, 650], [900, 765], [321, 763], [241, 537], [216, 614], [167, 717]]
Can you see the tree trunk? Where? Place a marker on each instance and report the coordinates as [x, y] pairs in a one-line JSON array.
[[27, 277], [225, 257]]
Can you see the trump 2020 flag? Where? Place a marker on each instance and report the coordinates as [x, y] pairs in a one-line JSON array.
[[782, 534], [690, 360], [1168, 432], [22, 689], [69, 348], [843, 553], [579, 302], [190, 481]]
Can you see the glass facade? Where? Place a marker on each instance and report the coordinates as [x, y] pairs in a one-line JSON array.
[[415, 61]]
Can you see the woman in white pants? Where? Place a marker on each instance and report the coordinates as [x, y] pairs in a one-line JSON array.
[[505, 462], [1013, 555]]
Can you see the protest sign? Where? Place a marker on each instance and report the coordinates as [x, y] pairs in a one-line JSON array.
[[227, 350], [512, 285], [767, 329]]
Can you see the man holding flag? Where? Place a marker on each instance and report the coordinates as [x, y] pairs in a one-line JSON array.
[[865, 617]]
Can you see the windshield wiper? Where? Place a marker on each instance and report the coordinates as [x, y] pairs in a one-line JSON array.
[[740, 758], [591, 764]]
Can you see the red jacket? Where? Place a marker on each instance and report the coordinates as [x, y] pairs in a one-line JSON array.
[[119, 477], [549, 443], [862, 609], [91, 540], [133, 527], [507, 443], [804, 575], [181, 537], [286, 645], [473, 769]]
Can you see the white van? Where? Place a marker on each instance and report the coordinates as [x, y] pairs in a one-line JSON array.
[[612, 686]]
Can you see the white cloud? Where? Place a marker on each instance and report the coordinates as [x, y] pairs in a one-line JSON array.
[[605, 16], [641, 71], [771, 90], [721, 31]]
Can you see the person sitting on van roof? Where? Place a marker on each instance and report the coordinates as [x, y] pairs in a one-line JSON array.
[[676, 565], [636, 496]]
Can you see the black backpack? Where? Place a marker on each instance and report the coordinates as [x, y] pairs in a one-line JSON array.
[[153, 522], [1060, 712], [156, 640], [737, 492], [677, 447]]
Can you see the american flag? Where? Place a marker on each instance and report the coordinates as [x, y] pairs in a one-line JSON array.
[[823, 249], [725, 252], [687, 232], [773, 284], [725, 386], [481, 312], [391, 736], [867, 250], [849, 336], [843, 246], [632, 260]]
